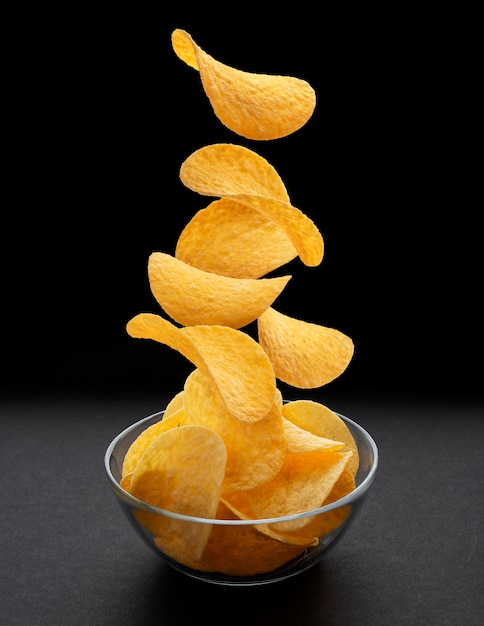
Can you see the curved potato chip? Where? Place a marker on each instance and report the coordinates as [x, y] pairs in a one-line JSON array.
[[174, 404], [193, 297], [253, 105], [242, 550], [139, 445], [255, 451], [168, 477], [232, 171], [238, 503], [236, 363], [228, 170], [303, 483], [301, 440], [322, 422], [227, 238], [303, 354], [323, 523]]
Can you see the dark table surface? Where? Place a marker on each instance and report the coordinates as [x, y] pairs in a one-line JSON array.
[[415, 556]]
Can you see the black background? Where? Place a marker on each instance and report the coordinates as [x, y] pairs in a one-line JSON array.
[[101, 115]]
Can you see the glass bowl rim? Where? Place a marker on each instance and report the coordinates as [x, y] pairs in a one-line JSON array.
[[354, 495]]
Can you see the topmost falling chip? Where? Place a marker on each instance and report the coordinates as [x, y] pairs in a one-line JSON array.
[[255, 106]]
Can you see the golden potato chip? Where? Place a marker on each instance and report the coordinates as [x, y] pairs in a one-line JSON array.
[[303, 483], [300, 440], [193, 297], [238, 503], [322, 422], [243, 550], [322, 523], [253, 105], [139, 445], [174, 404], [303, 354], [231, 171], [228, 170], [236, 363], [227, 237], [168, 476], [240, 550], [125, 481], [255, 450]]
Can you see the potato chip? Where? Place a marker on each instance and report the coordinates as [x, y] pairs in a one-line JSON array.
[[227, 170], [240, 550], [125, 481], [174, 404], [253, 105], [322, 422], [168, 477], [139, 445], [194, 297], [231, 171], [227, 237], [300, 440], [236, 363], [323, 523], [255, 451], [303, 354], [239, 504], [243, 550], [303, 483]]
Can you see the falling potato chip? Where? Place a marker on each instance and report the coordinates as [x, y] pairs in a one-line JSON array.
[[194, 297], [168, 476], [255, 451], [236, 363], [229, 170], [303, 354], [227, 237], [303, 483], [232, 171], [139, 445], [322, 422], [253, 105]]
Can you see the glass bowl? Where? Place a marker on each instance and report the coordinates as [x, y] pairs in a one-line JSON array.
[[237, 538]]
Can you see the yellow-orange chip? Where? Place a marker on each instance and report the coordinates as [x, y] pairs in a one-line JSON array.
[[175, 404], [303, 354], [242, 550], [193, 297], [255, 106], [303, 483], [228, 170], [255, 451], [239, 504], [322, 422], [301, 440], [139, 445], [232, 171], [322, 523], [168, 477], [227, 237], [236, 363]]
